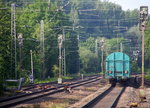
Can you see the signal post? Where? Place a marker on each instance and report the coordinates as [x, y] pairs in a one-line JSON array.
[[142, 27]]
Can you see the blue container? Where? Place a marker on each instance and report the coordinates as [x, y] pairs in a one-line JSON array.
[[117, 66]]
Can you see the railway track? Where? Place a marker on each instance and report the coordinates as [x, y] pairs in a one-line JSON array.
[[32, 89], [12, 101], [108, 99], [32, 86], [147, 83]]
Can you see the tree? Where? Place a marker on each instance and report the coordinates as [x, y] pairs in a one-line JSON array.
[[89, 61], [112, 45], [72, 54], [53, 26], [5, 40], [147, 46], [89, 44]]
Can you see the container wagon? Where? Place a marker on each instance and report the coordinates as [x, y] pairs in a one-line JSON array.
[[117, 66]]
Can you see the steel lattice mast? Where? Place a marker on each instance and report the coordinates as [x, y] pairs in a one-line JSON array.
[[13, 41]]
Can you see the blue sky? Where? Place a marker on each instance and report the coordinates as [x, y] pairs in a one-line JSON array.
[[131, 4]]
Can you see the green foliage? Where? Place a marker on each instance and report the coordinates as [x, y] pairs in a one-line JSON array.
[[55, 70], [134, 68], [29, 25], [52, 79], [72, 54], [147, 46], [112, 45], [102, 18], [5, 40], [89, 61], [98, 19], [28, 21], [37, 81], [148, 74], [133, 38], [89, 44]]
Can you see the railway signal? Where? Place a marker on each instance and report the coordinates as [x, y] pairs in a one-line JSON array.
[[143, 17], [142, 27], [136, 54]]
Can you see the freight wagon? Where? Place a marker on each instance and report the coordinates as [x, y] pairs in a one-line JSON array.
[[117, 66]]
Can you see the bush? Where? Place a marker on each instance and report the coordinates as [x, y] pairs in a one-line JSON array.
[[55, 70], [148, 74]]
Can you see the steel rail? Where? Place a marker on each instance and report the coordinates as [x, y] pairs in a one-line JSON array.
[[45, 90], [147, 83], [99, 97], [26, 97], [117, 98], [55, 82], [95, 103]]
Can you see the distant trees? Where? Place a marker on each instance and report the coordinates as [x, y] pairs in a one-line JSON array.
[[102, 18], [90, 59], [5, 43], [147, 47], [28, 23], [81, 21]]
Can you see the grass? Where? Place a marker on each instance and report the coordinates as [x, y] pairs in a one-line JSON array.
[[89, 89], [13, 85], [47, 80], [36, 81], [147, 77], [46, 105], [10, 85]]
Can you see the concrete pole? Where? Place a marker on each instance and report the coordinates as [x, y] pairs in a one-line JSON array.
[[142, 85], [118, 36], [143, 20], [78, 38], [102, 64], [96, 51], [102, 56], [42, 50], [31, 63], [121, 47], [60, 61], [60, 55], [65, 62], [20, 38]]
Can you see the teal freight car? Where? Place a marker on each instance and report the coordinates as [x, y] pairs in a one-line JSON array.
[[117, 66]]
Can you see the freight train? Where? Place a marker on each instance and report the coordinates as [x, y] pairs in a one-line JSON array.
[[117, 66]]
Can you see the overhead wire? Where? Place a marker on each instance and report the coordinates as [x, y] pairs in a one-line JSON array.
[[82, 20]]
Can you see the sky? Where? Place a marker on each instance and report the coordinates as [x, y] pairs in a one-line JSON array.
[[131, 4]]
